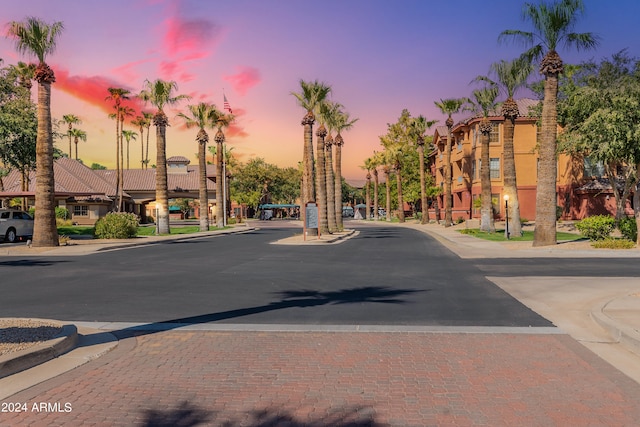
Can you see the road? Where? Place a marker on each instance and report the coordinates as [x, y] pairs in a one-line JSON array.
[[384, 275]]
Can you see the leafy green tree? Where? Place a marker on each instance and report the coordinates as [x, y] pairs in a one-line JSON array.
[[97, 166], [37, 38], [161, 93], [601, 119], [553, 23]]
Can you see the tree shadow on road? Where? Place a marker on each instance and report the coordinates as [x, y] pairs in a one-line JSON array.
[[190, 415], [288, 299]]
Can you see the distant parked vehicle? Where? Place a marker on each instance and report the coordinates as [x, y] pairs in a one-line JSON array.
[[347, 212], [15, 225]]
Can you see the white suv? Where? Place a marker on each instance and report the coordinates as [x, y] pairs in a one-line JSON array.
[[15, 224]]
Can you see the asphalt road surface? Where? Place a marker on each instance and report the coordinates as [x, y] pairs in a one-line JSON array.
[[384, 275]]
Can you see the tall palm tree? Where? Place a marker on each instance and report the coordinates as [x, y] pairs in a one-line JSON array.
[[125, 111], [343, 123], [200, 117], [70, 120], [221, 120], [77, 134], [321, 179], [449, 107], [330, 113], [148, 120], [368, 166], [129, 135], [139, 121], [310, 97], [375, 163], [419, 127], [553, 23], [38, 38], [386, 169], [483, 103], [510, 76], [117, 95], [161, 93]]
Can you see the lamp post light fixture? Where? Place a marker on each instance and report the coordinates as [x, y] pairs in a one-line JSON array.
[[506, 212]]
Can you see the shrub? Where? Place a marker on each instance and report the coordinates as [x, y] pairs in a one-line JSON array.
[[614, 244], [597, 227], [117, 226], [628, 228], [62, 213]]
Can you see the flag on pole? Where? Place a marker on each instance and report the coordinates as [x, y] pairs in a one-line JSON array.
[[226, 105]]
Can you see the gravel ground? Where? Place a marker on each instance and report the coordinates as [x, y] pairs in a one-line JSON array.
[[19, 334]]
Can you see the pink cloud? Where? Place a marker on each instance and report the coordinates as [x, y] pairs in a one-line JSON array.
[[92, 89], [245, 79], [127, 71], [188, 35]]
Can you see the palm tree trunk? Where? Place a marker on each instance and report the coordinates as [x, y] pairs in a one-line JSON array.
[[321, 182], [146, 156], [338, 183], [69, 131], [117, 158], [424, 219], [121, 189], [545, 231], [376, 215], [387, 177], [219, 179], [448, 217], [486, 208], [510, 184], [399, 187], [162, 190], [367, 197], [76, 142], [204, 200], [45, 232], [331, 196]]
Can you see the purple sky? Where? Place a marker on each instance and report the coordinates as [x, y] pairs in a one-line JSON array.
[[378, 56]]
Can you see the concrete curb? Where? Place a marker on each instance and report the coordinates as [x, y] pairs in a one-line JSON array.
[[62, 343], [621, 333]]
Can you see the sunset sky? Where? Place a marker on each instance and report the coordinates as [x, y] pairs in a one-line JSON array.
[[379, 56]]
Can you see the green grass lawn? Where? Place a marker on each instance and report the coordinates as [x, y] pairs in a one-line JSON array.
[[527, 236], [147, 230]]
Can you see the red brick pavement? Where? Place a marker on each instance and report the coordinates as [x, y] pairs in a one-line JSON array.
[[185, 378]]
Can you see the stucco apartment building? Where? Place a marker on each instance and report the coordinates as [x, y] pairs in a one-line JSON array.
[[578, 194]]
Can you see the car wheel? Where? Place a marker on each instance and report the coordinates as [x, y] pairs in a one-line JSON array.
[[11, 236]]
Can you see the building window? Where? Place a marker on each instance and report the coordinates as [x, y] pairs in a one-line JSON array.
[[594, 168], [80, 210], [494, 136], [494, 167]]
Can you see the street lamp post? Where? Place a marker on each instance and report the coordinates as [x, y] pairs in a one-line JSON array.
[[506, 212]]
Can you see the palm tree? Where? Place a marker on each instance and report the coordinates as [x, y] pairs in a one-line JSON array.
[[386, 169], [343, 123], [77, 134], [160, 93], [139, 121], [200, 117], [25, 72], [128, 136], [221, 120], [419, 127], [310, 97], [368, 166], [117, 95], [483, 103], [375, 162], [38, 38], [148, 119], [321, 178], [330, 112], [552, 24], [510, 76], [449, 107], [70, 120]]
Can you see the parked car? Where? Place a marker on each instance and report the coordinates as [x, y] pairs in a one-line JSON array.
[[15, 225]]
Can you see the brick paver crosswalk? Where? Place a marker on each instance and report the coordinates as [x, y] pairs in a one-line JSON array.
[[189, 378]]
